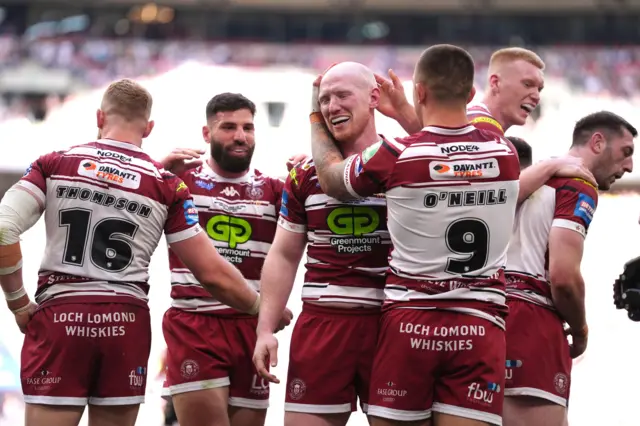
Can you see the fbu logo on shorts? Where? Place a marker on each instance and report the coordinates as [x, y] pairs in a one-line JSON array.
[[482, 396], [136, 377]]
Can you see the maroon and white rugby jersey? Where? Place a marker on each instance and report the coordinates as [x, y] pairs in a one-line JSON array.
[[451, 198], [240, 217], [348, 242], [480, 116], [561, 202], [106, 206]]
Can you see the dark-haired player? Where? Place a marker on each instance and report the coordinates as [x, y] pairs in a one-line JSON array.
[[210, 374], [545, 285]]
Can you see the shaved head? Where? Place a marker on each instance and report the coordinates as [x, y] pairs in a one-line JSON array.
[[356, 73], [348, 97]]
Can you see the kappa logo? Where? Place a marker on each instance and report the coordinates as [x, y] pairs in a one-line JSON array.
[[108, 173], [230, 191]]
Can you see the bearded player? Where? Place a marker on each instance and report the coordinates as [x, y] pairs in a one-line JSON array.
[[210, 374], [545, 287], [334, 338], [106, 205]]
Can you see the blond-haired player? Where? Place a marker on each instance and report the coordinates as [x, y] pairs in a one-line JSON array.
[[514, 83], [106, 204]]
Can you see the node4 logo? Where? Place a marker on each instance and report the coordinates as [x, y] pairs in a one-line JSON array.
[[233, 231], [136, 377], [351, 223], [482, 396]]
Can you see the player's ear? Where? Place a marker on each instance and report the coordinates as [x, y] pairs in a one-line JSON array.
[[472, 94], [99, 118], [375, 98], [149, 128], [494, 83], [421, 92], [597, 142], [206, 134]]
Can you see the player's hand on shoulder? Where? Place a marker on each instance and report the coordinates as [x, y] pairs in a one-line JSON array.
[[182, 159], [23, 317], [392, 98], [296, 159], [266, 352], [573, 167], [285, 320]]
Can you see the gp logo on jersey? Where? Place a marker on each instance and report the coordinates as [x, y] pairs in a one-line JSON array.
[[465, 169], [355, 221], [585, 208], [190, 212], [233, 230], [109, 173]]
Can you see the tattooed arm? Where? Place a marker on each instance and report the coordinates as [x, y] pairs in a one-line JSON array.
[[329, 161]]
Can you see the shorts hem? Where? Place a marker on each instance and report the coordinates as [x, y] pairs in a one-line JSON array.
[[122, 400], [536, 393], [467, 413], [55, 400], [254, 404], [198, 386], [364, 408], [401, 415], [318, 408]]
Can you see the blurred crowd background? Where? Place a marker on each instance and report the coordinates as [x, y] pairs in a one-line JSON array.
[[56, 57]]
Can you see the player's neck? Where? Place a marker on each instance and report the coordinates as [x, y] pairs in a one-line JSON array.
[[362, 142], [222, 172], [494, 108], [122, 136], [579, 152], [440, 116]]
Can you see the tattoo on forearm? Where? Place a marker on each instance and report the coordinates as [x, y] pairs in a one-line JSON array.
[[329, 161]]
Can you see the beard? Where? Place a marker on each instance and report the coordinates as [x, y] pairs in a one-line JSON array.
[[227, 161]]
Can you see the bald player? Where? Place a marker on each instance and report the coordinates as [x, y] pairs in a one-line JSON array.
[[334, 338]]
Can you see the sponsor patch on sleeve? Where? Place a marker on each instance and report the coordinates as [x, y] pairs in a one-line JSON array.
[[357, 167], [585, 208], [190, 212], [368, 153], [284, 210], [488, 120]]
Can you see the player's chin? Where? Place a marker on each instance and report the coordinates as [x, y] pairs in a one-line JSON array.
[[342, 132]]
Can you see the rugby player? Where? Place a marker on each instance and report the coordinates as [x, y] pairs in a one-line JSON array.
[[441, 345], [513, 90], [210, 373], [334, 338], [523, 149], [106, 204], [545, 287]]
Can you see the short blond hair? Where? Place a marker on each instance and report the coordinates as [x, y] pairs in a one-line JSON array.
[[128, 100], [511, 54]]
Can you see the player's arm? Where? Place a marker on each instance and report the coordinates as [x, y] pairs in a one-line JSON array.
[[567, 285], [329, 161], [20, 209], [575, 206], [219, 277], [535, 176], [278, 275]]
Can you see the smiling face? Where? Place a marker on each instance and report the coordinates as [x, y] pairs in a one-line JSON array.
[[231, 135], [517, 84], [347, 101]]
